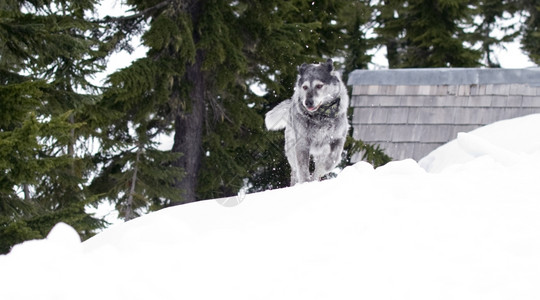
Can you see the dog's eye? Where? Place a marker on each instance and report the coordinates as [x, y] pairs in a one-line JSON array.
[[319, 86], [305, 87]]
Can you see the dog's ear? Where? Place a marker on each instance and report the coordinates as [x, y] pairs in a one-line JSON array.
[[302, 68], [329, 65]]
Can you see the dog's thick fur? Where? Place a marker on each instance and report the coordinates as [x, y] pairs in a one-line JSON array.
[[315, 121]]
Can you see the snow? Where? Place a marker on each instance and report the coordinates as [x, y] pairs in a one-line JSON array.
[[461, 224], [508, 142]]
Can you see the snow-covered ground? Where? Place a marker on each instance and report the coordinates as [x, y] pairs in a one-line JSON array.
[[467, 229]]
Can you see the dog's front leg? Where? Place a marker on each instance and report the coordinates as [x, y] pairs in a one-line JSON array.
[[297, 152], [302, 162], [328, 159]]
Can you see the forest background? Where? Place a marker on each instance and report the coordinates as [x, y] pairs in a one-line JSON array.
[[67, 143]]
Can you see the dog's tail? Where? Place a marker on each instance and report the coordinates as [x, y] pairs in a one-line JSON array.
[[278, 117]]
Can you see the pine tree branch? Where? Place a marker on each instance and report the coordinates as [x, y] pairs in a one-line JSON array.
[[136, 16], [116, 38]]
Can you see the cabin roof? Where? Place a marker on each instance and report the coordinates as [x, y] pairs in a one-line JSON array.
[[445, 76]]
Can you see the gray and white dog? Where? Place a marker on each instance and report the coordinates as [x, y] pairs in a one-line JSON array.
[[315, 121]]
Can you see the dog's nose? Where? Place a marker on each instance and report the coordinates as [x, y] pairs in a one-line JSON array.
[[309, 102]]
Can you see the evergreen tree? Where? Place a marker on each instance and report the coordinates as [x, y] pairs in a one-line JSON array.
[[531, 29], [427, 33], [356, 19], [135, 175], [45, 57], [491, 14], [389, 33]]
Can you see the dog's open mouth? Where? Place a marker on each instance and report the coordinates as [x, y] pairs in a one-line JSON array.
[[313, 108]]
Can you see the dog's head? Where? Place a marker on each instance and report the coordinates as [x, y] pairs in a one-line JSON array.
[[317, 84]]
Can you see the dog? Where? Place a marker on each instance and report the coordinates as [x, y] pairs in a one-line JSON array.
[[315, 121]]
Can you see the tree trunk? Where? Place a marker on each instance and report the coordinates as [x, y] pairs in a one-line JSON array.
[[128, 212], [392, 54], [26, 189], [189, 120]]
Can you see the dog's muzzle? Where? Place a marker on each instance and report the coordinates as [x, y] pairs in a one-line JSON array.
[[309, 104]]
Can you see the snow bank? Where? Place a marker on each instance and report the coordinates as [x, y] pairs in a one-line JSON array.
[[508, 141], [468, 231]]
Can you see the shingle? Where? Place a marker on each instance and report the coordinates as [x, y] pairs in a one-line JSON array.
[[527, 91], [420, 150], [366, 101], [401, 150], [360, 115], [452, 90], [360, 90], [373, 90], [416, 135], [407, 90], [363, 132], [464, 90], [517, 89], [397, 115], [371, 133], [529, 111], [378, 115], [481, 89], [369, 115], [455, 101], [509, 113], [489, 89], [390, 90], [357, 101], [402, 133], [480, 101], [501, 89], [438, 133], [466, 116], [529, 101], [412, 100], [431, 115], [388, 100], [474, 89], [375, 101], [502, 101], [522, 89], [490, 115], [442, 90], [425, 90]]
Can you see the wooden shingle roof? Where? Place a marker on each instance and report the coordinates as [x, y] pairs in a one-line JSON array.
[[410, 112]]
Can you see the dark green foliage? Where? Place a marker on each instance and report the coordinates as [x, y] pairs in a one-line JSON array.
[[135, 175], [372, 154], [531, 29], [356, 20], [41, 118], [492, 13], [427, 33], [38, 190]]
